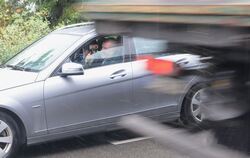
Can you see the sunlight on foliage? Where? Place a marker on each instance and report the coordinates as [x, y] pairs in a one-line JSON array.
[[21, 32], [20, 25]]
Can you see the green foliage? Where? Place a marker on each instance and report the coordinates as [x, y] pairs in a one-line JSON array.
[[22, 31], [58, 11], [69, 16], [19, 26]]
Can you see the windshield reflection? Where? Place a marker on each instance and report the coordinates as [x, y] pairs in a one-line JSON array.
[[42, 53]]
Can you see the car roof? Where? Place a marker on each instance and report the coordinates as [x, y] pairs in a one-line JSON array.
[[77, 29]]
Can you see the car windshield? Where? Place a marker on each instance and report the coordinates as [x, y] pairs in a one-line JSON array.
[[42, 53]]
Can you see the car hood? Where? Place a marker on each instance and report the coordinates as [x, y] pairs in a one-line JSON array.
[[12, 78]]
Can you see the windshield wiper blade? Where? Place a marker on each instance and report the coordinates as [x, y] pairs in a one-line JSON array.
[[15, 67]]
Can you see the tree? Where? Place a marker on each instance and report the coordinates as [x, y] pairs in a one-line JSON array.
[[55, 11], [53, 8], [28, 20], [58, 11]]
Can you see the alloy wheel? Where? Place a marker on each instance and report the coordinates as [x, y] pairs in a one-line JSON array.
[[6, 138], [196, 104]]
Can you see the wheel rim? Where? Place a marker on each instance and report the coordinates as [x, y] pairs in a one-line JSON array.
[[6, 138], [196, 104]]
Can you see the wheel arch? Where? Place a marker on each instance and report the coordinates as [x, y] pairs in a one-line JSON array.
[[184, 116], [19, 122], [195, 82]]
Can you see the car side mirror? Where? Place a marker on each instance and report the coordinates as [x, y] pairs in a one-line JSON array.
[[70, 69]]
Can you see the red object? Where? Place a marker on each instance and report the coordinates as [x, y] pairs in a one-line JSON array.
[[159, 66]]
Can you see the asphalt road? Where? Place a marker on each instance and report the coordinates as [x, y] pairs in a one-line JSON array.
[[119, 144], [109, 145]]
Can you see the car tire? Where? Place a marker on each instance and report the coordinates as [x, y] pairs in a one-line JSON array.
[[190, 112], [10, 136]]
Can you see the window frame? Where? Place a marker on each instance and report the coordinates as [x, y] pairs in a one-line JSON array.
[[125, 40]]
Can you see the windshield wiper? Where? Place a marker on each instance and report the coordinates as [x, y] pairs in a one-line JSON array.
[[15, 67]]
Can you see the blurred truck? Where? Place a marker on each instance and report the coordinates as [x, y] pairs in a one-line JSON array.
[[216, 28]]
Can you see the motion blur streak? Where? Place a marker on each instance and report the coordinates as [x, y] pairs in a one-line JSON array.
[[179, 140]]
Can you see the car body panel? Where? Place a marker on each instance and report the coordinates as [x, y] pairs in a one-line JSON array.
[[8, 80], [144, 96], [27, 103], [107, 124], [52, 107], [74, 101]]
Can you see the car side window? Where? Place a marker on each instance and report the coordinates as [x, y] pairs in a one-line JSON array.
[[105, 50], [146, 46]]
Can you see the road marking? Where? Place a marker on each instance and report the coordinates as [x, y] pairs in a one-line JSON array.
[[129, 140]]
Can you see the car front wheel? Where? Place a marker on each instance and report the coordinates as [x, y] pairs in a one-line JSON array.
[[9, 136]]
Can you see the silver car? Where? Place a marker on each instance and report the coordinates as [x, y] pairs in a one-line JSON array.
[[74, 81]]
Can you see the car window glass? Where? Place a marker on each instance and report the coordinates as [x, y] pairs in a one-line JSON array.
[[146, 46], [100, 52], [42, 53]]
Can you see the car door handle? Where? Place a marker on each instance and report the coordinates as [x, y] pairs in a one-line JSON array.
[[119, 73]]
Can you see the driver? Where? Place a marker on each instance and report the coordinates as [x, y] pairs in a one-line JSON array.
[[109, 50]]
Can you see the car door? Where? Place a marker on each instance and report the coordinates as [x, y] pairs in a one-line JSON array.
[[146, 87], [98, 97]]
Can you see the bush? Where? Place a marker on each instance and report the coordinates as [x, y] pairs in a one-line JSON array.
[[23, 30], [19, 26]]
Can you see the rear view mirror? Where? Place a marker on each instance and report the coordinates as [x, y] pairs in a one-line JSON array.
[[69, 69]]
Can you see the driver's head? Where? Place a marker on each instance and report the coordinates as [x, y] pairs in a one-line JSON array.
[[108, 43]]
